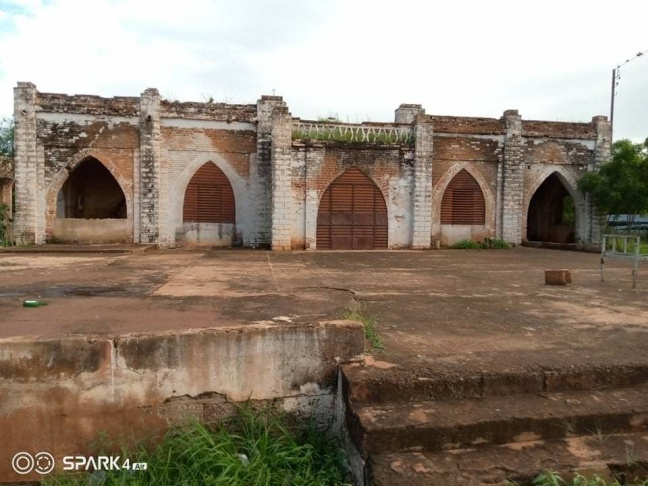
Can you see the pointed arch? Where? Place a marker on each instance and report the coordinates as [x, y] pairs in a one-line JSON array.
[[75, 161], [545, 205], [209, 197], [448, 177], [352, 214], [91, 192], [463, 201]]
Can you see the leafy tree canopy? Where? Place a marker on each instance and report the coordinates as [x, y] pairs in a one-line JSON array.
[[7, 137], [620, 186]]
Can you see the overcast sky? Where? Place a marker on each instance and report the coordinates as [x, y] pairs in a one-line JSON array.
[[357, 60]]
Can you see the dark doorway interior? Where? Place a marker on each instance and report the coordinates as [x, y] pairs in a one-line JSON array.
[[551, 213], [91, 192]]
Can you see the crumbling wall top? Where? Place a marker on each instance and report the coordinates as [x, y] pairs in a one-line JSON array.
[[465, 124], [556, 129], [87, 104], [208, 111]]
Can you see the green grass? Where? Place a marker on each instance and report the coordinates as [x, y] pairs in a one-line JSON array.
[[252, 448], [629, 247], [369, 323], [551, 478], [465, 245], [487, 244]]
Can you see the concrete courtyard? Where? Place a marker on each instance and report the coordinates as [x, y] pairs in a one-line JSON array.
[[453, 308]]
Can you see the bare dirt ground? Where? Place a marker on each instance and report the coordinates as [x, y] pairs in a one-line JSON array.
[[451, 308]]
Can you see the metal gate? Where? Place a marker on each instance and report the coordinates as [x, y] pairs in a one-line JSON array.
[[352, 214]]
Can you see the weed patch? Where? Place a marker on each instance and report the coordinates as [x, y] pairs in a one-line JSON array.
[[369, 323], [252, 448], [487, 244], [552, 478], [465, 245]]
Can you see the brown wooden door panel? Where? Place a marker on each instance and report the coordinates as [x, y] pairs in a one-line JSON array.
[[342, 218], [352, 214], [209, 197], [463, 201]]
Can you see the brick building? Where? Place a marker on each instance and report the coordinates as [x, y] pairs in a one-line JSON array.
[[147, 170]]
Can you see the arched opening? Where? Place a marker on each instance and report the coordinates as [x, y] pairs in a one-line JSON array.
[[551, 215], [209, 197], [91, 192], [352, 214], [463, 201], [91, 207]]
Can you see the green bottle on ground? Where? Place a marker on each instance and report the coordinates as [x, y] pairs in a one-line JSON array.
[[33, 303]]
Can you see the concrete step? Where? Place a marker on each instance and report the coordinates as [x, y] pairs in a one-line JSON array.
[[624, 456], [365, 384], [466, 423]]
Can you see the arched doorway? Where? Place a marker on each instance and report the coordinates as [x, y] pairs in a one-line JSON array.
[[352, 214], [551, 216], [91, 192]]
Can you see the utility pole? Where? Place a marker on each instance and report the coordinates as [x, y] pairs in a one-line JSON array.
[[616, 76]]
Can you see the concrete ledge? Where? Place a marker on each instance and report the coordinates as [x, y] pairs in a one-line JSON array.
[[63, 248], [72, 230], [56, 395]]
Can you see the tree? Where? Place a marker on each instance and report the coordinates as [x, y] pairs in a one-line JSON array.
[[621, 185], [7, 137]]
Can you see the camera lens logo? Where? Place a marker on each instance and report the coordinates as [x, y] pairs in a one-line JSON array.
[[41, 463]]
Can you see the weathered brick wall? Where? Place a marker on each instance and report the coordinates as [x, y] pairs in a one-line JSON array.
[[467, 125], [187, 147], [316, 164], [563, 130], [422, 183], [282, 196], [480, 156], [29, 175], [6, 184], [125, 106], [67, 142], [153, 147]]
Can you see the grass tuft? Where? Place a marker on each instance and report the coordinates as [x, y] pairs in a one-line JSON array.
[[465, 245], [487, 244], [369, 323], [256, 447], [552, 478]]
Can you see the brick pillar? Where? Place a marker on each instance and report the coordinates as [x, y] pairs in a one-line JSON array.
[[149, 168], [261, 172], [29, 220], [407, 113], [602, 154], [512, 179], [282, 197], [422, 197]]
